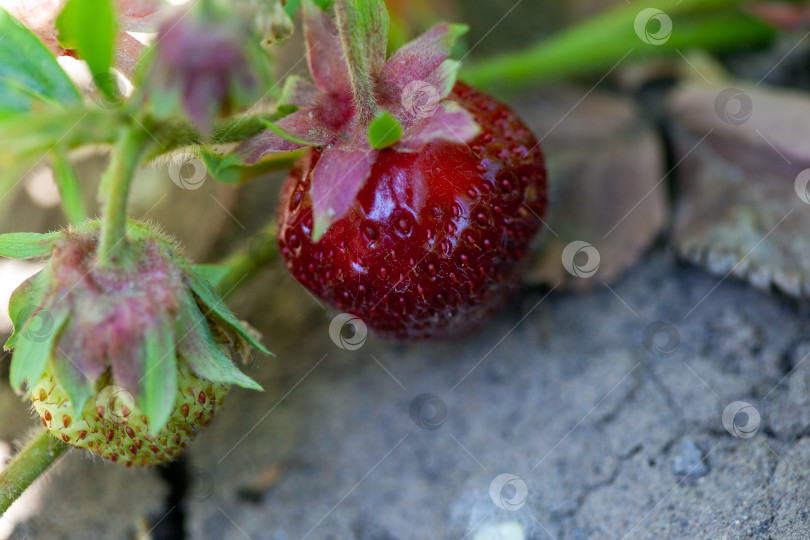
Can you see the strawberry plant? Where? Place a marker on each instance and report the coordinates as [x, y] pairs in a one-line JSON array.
[[411, 202]]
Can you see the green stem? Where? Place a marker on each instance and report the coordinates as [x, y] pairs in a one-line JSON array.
[[39, 454], [126, 157], [68, 184], [246, 262], [601, 42], [346, 19]]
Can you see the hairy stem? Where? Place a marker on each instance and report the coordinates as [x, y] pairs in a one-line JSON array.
[[246, 262], [126, 157], [39, 454], [346, 20]]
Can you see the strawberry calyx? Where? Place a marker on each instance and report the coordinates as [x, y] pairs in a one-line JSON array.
[[361, 104], [133, 326]]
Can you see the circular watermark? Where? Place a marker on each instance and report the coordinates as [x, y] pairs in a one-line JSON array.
[[802, 186], [420, 99], [348, 331], [107, 100], [645, 22], [40, 326], [115, 404], [201, 484], [428, 411], [734, 106], [741, 419], [661, 339], [188, 172], [573, 255], [508, 492]]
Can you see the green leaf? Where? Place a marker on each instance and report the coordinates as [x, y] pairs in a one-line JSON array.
[[384, 131], [26, 245], [29, 72], [208, 296], [198, 349], [69, 187], [159, 383], [34, 346], [89, 27], [213, 273], [24, 301]]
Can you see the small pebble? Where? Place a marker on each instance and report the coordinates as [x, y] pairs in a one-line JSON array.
[[689, 461]]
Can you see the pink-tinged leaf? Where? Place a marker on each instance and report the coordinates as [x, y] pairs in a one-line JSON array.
[[254, 148], [327, 62], [299, 92], [304, 127], [449, 122], [419, 59], [336, 181], [199, 102]]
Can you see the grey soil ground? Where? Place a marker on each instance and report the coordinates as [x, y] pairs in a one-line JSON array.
[[614, 432]]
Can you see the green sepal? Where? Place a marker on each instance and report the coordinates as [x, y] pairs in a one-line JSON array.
[[384, 131], [213, 273], [208, 296], [198, 349], [34, 346], [25, 300], [159, 382], [79, 387], [227, 169], [89, 27], [27, 245]]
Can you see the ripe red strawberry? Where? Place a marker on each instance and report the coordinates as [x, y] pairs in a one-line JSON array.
[[419, 234], [430, 245]]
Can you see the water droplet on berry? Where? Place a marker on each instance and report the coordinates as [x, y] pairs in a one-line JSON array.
[[294, 241], [296, 199], [404, 226], [370, 232]]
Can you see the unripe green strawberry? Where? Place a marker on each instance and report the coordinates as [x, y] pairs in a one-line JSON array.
[[126, 359], [113, 427]]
